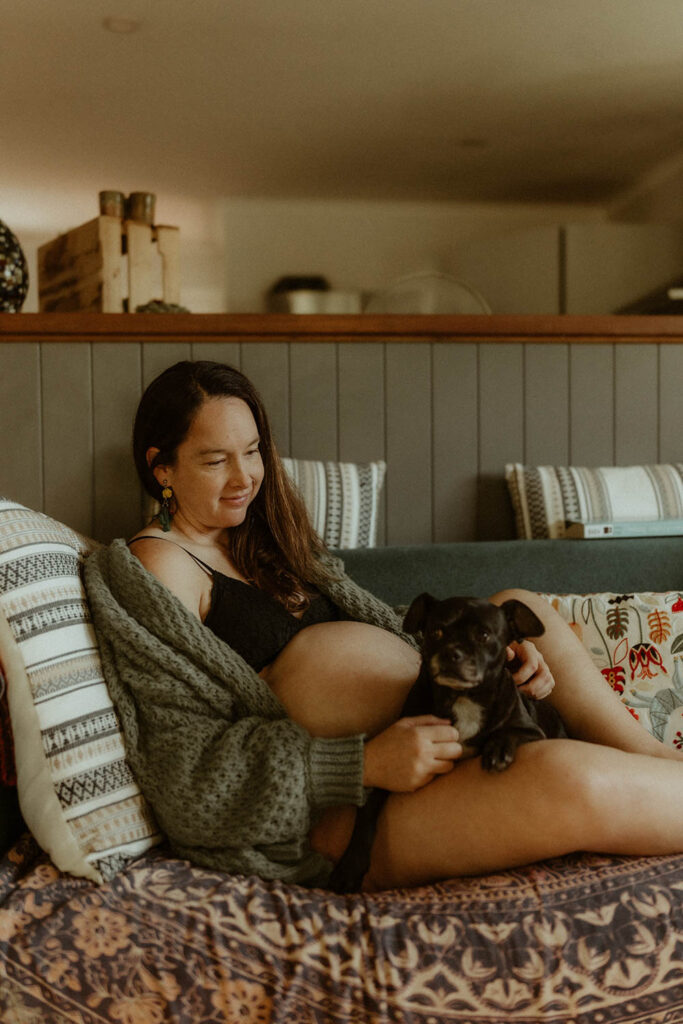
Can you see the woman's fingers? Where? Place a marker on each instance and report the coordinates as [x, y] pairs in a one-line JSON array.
[[533, 676], [410, 752], [418, 720]]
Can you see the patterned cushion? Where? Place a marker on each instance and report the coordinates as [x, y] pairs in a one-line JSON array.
[[77, 794], [544, 497], [342, 499], [636, 640]]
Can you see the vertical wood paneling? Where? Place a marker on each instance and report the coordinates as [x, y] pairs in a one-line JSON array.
[[218, 352], [116, 374], [21, 447], [361, 411], [409, 430], [158, 356], [456, 441], [361, 402], [313, 401], [67, 434], [267, 366], [501, 434], [546, 405], [671, 403], [446, 417], [635, 408], [591, 405]]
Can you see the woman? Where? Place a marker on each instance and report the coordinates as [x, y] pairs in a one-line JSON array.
[[260, 690]]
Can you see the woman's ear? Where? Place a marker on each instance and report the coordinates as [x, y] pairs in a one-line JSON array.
[[160, 472]]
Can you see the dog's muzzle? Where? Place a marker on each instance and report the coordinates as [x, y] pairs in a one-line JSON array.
[[456, 673]]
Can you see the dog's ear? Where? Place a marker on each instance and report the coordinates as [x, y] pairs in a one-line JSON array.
[[416, 616], [521, 620]]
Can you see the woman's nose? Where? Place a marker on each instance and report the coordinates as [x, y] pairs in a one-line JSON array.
[[239, 475]]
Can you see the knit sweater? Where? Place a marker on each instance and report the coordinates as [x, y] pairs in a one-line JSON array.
[[235, 784]]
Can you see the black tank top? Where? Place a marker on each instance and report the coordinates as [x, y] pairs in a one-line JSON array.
[[251, 621]]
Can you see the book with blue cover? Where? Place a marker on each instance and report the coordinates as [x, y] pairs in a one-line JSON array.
[[578, 528]]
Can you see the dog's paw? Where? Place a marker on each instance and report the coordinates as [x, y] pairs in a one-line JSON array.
[[499, 753]]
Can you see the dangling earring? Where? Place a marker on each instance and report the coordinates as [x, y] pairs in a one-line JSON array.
[[165, 514]]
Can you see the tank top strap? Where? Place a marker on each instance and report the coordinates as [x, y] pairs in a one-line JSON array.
[[150, 536]]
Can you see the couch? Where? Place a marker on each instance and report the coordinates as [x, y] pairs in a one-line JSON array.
[[99, 922]]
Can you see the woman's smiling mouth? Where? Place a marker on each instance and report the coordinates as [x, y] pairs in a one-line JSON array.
[[237, 499]]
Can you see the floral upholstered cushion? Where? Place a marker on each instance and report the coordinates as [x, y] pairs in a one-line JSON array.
[[636, 640], [77, 794]]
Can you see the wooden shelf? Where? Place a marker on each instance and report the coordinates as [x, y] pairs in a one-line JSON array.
[[165, 327]]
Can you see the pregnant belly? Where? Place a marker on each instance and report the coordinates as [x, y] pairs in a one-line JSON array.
[[343, 678]]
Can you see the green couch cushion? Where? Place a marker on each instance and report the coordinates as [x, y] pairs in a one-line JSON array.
[[480, 568]]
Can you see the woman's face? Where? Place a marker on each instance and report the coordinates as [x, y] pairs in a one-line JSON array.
[[218, 468]]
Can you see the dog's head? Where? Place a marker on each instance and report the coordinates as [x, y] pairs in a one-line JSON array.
[[465, 638]]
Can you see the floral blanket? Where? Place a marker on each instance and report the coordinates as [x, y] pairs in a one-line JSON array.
[[581, 940]]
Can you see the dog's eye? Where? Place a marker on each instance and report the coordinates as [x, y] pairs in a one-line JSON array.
[[437, 633], [483, 635]]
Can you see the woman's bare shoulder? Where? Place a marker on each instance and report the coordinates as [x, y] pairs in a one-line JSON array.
[[170, 562]]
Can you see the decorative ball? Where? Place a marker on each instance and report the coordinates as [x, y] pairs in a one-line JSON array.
[[13, 272]]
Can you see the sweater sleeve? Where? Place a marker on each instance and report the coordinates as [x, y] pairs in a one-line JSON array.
[[250, 782], [232, 780]]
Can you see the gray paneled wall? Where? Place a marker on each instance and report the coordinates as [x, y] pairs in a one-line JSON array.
[[445, 416]]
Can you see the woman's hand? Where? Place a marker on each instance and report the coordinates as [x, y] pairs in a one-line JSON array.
[[532, 676], [410, 753]]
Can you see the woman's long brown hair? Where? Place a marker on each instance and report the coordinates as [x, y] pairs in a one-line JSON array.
[[275, 548]]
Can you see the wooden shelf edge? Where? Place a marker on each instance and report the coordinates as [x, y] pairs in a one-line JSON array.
[[187, 327]]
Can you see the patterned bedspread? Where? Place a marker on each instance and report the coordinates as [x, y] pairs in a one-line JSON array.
[[582, 940]]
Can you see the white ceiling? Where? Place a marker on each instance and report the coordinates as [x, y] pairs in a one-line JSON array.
[[501, 100]]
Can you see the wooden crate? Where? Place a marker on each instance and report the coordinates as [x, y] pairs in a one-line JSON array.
[[109, 266]]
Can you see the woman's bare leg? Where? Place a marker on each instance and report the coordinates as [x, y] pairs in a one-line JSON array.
[[586, 702], [621, 792], [559, 796]]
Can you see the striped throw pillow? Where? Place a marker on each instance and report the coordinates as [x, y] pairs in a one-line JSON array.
[[342, 499], [77, 794], [545, 497]]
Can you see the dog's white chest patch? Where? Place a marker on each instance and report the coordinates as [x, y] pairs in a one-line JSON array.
[[467, 717]]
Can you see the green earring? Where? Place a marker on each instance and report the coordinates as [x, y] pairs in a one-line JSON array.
[[165, 515]]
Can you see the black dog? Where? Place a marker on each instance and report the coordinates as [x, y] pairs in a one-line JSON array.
[[465, 676]]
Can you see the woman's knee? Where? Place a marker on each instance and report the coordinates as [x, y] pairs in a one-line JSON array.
[[528, 597], [576, 780], [508, 594]]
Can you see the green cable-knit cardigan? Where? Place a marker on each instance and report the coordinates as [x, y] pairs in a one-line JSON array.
[[235, 784]]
